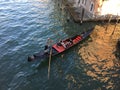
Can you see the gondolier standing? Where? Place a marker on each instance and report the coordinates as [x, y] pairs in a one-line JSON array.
[[49, 42], [47, 46]]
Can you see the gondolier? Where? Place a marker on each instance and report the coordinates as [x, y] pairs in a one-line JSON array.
[[49, 42], [48, 46]]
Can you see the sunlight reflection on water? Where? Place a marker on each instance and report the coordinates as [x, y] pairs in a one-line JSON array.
[[99, 55]]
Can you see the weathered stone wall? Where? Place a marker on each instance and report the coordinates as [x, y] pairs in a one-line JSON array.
[[78, 13]]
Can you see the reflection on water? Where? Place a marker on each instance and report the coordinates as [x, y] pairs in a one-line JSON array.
[[98, 54], [24, 28]]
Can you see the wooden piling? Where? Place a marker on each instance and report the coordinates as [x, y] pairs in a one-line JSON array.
[[110, 17], [82, 15], [117, 21]]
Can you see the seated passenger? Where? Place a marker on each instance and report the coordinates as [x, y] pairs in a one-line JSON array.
[[63, 44], [71, 41], [59, 43]]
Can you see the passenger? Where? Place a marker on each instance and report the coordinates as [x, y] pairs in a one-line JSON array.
[[67, 44], [59, 43], [71, 41], [63, 44], [47, 46]]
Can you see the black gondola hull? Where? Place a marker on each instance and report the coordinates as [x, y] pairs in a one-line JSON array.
[[57, 48]]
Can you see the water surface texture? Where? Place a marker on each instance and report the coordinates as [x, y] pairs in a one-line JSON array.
[[25, 26]]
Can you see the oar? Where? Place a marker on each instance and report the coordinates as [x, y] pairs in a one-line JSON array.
[[50, 44], [49, 62]]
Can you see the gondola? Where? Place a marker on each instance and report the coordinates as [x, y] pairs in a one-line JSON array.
[[60, 46]]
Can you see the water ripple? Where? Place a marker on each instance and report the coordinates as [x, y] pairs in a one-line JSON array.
[[25, 26]]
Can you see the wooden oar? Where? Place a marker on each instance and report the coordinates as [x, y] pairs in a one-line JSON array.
[[49, 62], [50, 44]]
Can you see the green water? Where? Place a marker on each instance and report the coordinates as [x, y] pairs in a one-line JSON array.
[[24, 27]]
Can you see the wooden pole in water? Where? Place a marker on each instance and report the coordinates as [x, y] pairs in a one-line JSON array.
[[115, 25], [116, 22], [49, 62], [50, 55], [110, 17], [82, 15]]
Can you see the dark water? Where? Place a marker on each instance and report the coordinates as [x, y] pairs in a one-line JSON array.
[[24, 27]]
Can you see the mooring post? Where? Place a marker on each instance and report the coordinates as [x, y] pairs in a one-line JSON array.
[[117, 20], [82, 15], [110, 17]]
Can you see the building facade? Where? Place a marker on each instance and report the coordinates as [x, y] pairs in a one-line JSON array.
[[98, 7]]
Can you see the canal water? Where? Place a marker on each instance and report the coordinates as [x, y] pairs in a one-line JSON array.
[[25, 26]]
